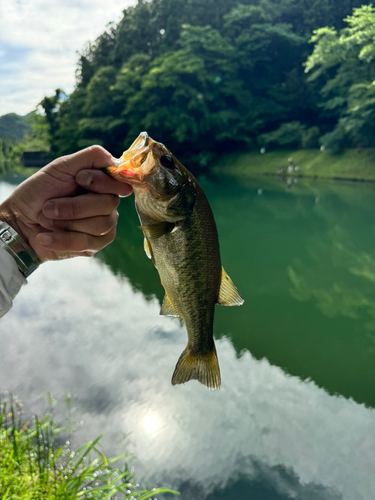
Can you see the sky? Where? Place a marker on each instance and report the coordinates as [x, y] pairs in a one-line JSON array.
[[39, 40]]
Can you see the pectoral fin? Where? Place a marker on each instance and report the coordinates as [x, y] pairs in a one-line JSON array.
[[157, 230], [228, 294], [167, 308]]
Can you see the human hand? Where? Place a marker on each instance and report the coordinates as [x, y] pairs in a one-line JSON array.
[[59, 219]]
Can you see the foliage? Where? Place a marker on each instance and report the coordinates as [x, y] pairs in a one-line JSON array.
[[291, 135], [310, 138], [344, 64], [35, 465], [203, 76], [37, 138], [13, 126], [6, 146], [51, 107], [288, 134]]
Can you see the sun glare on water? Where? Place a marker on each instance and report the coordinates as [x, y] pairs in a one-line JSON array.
[[151, 423]]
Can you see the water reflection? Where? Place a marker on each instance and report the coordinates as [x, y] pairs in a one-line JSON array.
[[82, 326], [263, 426], [301, 266]]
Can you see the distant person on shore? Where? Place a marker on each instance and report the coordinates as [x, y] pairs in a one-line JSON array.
[[67, 209]]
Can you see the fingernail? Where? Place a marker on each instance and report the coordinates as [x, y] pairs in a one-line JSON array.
[[84, 178], [45, 239], [51, 209]]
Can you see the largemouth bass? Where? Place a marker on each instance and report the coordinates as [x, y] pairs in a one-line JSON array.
[[180, 237]]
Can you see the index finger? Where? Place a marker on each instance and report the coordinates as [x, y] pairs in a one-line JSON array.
[[99, 182], [94, 157]]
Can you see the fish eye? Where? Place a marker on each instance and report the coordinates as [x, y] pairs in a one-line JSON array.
[[167, 161]]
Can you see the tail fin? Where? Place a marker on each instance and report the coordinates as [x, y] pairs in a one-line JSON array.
[[204, 368]]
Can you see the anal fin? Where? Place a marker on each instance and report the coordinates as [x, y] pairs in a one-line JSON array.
[[228, 293], [167, 308]]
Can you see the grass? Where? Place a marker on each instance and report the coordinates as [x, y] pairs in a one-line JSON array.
[[352, 164], [36, 464]]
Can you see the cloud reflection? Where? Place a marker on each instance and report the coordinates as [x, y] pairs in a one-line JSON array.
[[78, 328]]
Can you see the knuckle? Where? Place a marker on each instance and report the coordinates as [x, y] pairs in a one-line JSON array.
[[96, 152], [88, 253], [88, 243], [62, 225], [111, 203], [75, 209], [96, 149], [111, 235], [67, 241], [106, 224]]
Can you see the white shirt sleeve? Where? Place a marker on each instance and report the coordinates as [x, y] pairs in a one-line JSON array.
[[11, 281]]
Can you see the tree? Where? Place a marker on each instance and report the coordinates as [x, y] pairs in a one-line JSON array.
[[51, 106], [344, 64], [203, 76]]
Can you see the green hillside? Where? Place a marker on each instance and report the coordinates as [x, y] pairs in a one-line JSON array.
[[13, 126]]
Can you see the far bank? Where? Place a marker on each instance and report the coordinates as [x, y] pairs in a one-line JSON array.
[[352, 164]]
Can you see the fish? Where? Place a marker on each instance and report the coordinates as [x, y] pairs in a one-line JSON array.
[[180, 236]]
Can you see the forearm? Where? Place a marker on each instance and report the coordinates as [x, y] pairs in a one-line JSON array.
[[11, 281]]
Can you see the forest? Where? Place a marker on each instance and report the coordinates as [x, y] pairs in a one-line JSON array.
[[207, 77]]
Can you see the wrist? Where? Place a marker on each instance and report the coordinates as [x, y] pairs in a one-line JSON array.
[[6, 215], [14, 242]]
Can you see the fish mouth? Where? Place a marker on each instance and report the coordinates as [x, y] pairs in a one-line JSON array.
[[142, 141], [127, 169]]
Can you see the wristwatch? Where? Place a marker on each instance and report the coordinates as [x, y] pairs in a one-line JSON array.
[[16, 246]]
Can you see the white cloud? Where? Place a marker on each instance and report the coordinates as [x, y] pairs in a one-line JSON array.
[[39, 40]]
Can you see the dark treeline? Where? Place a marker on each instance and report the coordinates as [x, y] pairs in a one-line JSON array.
[[205, 77]]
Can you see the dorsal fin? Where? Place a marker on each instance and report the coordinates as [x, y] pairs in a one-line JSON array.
[[153, 231], [228, 293], [167, 308]]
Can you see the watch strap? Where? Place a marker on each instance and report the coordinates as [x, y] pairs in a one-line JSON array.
[[16, 246]]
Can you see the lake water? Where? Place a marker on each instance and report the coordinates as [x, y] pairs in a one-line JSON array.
[[295, 415]]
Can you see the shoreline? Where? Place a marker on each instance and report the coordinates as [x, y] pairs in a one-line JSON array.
[[355, 165], [301, 176]]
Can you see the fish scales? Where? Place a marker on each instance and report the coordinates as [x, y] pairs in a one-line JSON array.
[[188, 262], [182, 241]]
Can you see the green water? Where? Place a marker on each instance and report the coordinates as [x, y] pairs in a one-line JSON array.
[[304, 260], [295, 415]]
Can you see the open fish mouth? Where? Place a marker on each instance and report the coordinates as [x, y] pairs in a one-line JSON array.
[[141, 141], [127, 168]]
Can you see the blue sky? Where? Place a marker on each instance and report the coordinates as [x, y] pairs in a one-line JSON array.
[[39, 40]]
